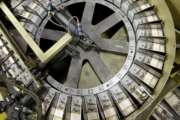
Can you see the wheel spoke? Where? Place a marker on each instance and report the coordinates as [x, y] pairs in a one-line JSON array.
[[74, 73], [53, 35], [99, 67], [107, 23], [88, 13], [108, 46]]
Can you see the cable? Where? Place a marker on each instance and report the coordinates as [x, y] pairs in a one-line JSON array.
[[50, 14], [56, 24], [74, 17]]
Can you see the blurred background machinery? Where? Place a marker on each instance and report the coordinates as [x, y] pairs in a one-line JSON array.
[[89, 59]]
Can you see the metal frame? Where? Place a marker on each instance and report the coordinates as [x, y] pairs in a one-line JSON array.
[[165, 15], [170, 35], [43, 56]]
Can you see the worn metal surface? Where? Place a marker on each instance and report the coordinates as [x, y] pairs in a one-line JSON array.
[[137, 88]]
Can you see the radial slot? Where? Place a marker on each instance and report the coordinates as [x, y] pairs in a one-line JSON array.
[[174, 102], [17, 70], [47, 97], [162, 113], [145, 17], [9, 62], [76, 108], [107, 107], [150, 30], [144, 75], [14, 71], [138, 91], [36, 9], [126, 5], [152, 44], [15, 3], [168, 109], [123, 101], [53, 107], [151, 59], [34, 18], [4, 52], [91, 111], [58, 109], [138, 7]]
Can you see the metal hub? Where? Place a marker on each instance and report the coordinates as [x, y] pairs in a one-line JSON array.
[[92, 45]]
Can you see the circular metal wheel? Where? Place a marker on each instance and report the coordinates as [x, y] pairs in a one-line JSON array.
[[111, 79]]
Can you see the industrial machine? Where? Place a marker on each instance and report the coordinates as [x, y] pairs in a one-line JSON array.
[[89, 60]]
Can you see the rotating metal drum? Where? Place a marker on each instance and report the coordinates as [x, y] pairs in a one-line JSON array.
[[110, 80]]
